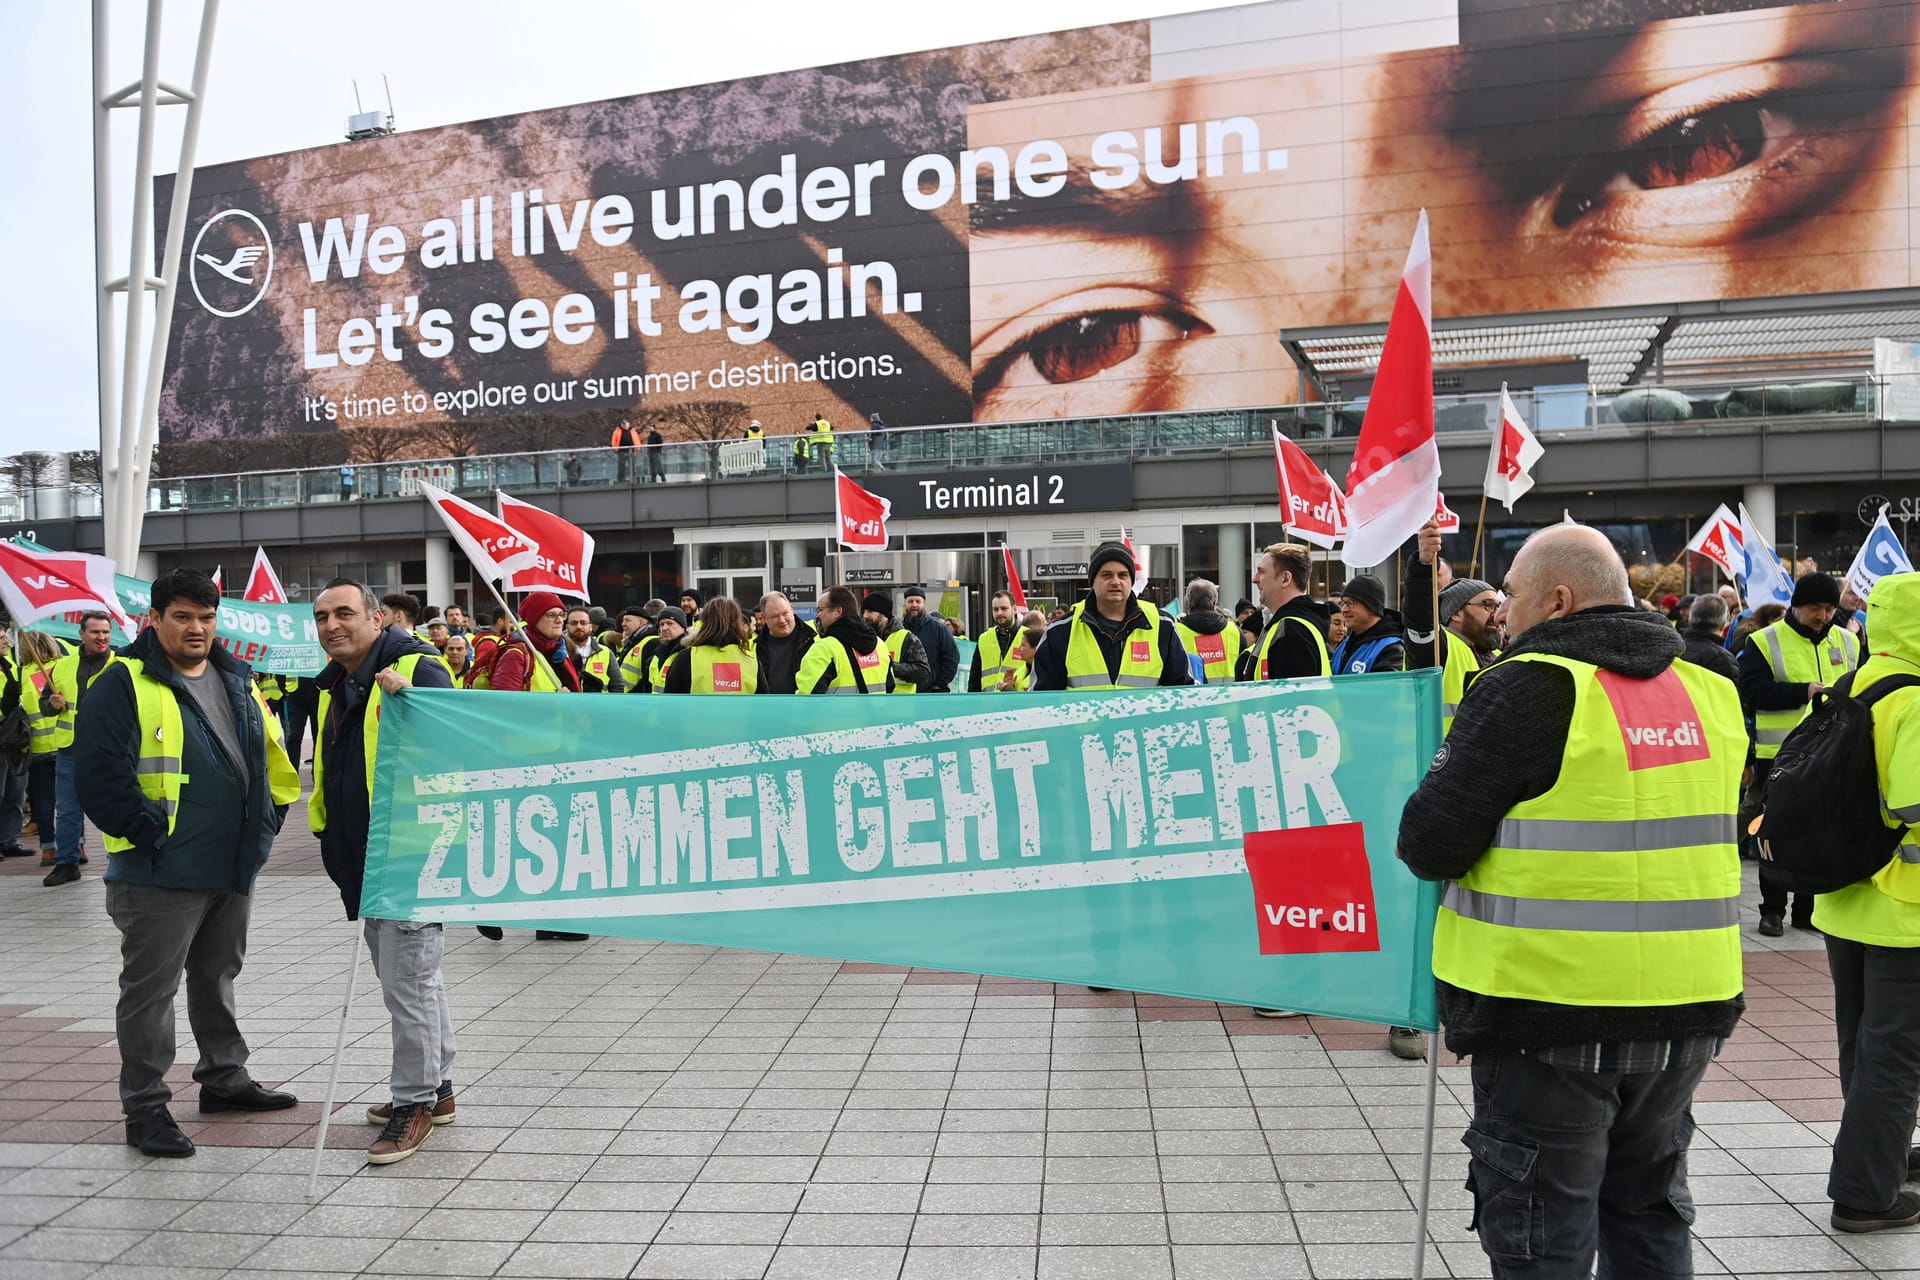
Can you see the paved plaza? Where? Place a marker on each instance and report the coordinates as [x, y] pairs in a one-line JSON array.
[[630, 1108]]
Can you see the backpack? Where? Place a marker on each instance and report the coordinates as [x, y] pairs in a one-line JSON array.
[[1821, 829]]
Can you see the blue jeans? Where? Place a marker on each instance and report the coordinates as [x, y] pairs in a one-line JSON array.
[[13, 798], [66, 810], [1568, 1164]]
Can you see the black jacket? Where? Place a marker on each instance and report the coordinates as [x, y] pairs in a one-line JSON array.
[[1294, 653], [1706, 649], [912, 666], [1050, 659], [1506, 747], [225, 825], [779, 657], [1759, 691], [340, 742], [943, 655]]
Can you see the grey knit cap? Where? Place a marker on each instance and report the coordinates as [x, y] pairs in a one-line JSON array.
[[1454, 598]]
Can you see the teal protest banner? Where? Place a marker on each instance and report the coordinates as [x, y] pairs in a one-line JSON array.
[[274, 639], [1229, 842]]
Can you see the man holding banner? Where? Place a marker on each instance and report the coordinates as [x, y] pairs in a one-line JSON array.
[[371, 662], [1587, 949]]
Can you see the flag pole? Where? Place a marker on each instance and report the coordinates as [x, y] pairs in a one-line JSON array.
[[1479, 526]]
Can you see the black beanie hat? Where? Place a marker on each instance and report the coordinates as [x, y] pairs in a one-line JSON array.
[[1816, 588], [877, 602], [1368, 590], [1110, 553]]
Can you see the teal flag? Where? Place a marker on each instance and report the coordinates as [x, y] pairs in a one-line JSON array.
[[1230, 842], [274, 639], [966, 648]]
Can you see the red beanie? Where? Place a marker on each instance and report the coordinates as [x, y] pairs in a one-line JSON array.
[[537, 604]]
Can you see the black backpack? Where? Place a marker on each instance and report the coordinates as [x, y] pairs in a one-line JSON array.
[[1822, 828]]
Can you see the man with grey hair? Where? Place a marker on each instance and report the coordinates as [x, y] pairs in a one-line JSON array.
[[1706, 623], [1211, 639], [1587, 949]]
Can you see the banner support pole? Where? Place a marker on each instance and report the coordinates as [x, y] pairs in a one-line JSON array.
[[520, 630], [1479, 527], [333, 1070], [1426, 1162]]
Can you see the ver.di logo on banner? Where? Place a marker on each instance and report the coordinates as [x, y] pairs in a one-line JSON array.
[[231, 263]]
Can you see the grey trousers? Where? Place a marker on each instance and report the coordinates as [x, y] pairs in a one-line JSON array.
[[406, 957], [164, 933]]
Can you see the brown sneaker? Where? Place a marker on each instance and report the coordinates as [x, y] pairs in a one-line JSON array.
[[403, 1135], [441, 1112], [46, 857]]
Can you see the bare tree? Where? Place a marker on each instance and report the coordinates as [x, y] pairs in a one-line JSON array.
[[712, 422], [301, 449], [83, 467], [453, 437]]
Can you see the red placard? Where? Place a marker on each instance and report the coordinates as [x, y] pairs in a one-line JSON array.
[[1312, 890]]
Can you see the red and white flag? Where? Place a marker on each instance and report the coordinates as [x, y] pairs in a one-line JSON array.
[[1311, 505], [565, 555], [491, 545], [1395, 476], [1445, 518], [35, 585], [1515, 450], [219, 581], [1014, 589], [263, 584], [1140, 560], [1719, 540], [862, 516]]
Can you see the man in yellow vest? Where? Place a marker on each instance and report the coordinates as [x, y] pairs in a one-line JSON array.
[[911, 671], [1293, 643], [188, 783], [72, 676], [1873, 948], [846, 657], [599, 673], [1781, 668], [994, 668], [1467, 607], [369, 662], [1210, 637], [1112, 639], [1587, 950], [822, 441]]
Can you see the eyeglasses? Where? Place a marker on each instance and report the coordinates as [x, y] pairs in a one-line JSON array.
[[1490, 606], [555, 613]]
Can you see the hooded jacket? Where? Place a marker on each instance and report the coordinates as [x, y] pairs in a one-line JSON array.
[[340, 741], [859, 638], [1050, 659], [1506, 747], [226, 822]]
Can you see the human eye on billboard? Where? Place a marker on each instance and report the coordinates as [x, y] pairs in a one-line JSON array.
[[1089, 352]]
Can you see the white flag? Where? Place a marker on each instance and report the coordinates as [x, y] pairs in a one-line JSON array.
[[1881, 554], [1764, 579], [1515, 450], [493, 546]]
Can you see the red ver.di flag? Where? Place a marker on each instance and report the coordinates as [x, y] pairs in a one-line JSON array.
[[1445, 518], [1311, 505], [263, 584], [862, 516], [1515, 450], [1719, 540], [566, 550], [1395, 477], [35, 585], [490, 544], [1014, 589], [1312, 889]]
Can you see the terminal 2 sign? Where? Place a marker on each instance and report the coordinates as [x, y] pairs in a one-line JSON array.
[[1021, 491]]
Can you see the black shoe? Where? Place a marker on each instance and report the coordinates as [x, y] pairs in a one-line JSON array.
[[491, 932], [251, 1098], [155, 1133], [14, 851], [1904, 1213], [64, 873], [554, 935], [1913, 1162], [1100, 990], [1771, 924]]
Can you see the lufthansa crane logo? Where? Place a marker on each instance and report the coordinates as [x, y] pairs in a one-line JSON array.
[[231, 263]]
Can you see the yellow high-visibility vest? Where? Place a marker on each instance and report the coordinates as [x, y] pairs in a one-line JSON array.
[[162, 737], [1794, 659], [896, 641], [65, 679], [369, 737], [1218, 654], [722, 669], [1621, 885], [1274, 628], [994, 664], [1140, 666], [1461, 662], [829, 652]]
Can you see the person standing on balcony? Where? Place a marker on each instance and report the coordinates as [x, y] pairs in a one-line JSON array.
[[656, 449], [626, 441], [877, 441]]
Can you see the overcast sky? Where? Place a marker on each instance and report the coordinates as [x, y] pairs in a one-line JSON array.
[[281, 79]]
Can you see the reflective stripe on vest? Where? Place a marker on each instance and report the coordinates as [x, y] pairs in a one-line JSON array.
[[994, 663], [1461, 662], [1794, 659], [896, 641], [1640, 909], [722, 669], [1274, 628], [873, 667], [633, 666], [1139, 658], [369, 740], [1218, 654]]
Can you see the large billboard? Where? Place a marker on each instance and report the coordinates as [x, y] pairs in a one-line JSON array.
[[1110, 220]]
